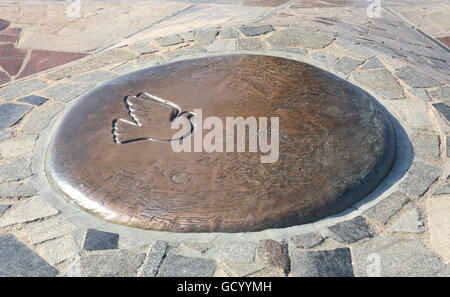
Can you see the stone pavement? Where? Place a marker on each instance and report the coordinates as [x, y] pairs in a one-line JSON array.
[[400, 229]]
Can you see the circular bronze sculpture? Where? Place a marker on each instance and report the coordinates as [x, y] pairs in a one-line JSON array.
[[112, 152]]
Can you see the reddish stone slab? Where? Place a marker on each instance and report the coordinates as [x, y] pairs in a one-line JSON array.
[[8, 38], [3, 24], [12, 31], [4, 78], [41, 60], [445, 40], [11, 58]]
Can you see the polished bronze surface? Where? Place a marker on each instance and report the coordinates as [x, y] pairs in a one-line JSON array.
[[336, 145]]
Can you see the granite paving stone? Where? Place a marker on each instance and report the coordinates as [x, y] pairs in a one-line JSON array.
[[28, 211], [17, 190], [351, 231], [93, 77], [11, 113], [387, 207], [416, 79], [444, 109], [182, 266], [374, 63], [410, 222], [381, 81], [15, 170], [398, 258], [426, 146], [60, 249], [142, 48], [346, 65], [155, 259], [257, 30], [326, 263], [273, 253], [420, 93], [438, 221], [170, 40], [112, 263], [205, 37], [51, 228], [442, 189], [4, 208], [419, 179], [222, 45], [21, 88], [250, 44], [299, 38], [17, 260], [40, 119], [357, 48], [236, 251], [324, 58], [307, 240], [100, 240], [34, 99], [67, 91], [17, 147], [228, 33], [442, 93]]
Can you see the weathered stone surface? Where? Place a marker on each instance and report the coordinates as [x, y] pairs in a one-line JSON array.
[[21, 88], [398, 258], [410, 222], [34, 99], [250, 44], [11, 113], [4, 208], [181, 266], [205, 37], [143, 47], [17, 190], [93, 77], [41, 118], [99, 240], [387, 207], [419, 179], [257, 30], [416, 79], [413, 112], [437, 209], [17, 147], [28, 211], [351, 231], [346, 65], [444, 109], [442, 189], [357, 48], [374, 63], [67, 92], [381, 81], [236, 251], [222, 45], [189, 50], [235, 269], [15, 170], [299, 38], [155, 259], [308, 240], [273, 253], [115, 263], [442, 93], [228, 33], [170, 40], [420, 93], [17, 260], [49, 229], [60, 249], [324, 58], [426, 146], [328, 263]]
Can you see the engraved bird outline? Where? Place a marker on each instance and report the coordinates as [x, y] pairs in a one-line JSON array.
[[152, 118]]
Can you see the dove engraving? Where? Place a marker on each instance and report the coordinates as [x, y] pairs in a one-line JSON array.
[[152, 118]]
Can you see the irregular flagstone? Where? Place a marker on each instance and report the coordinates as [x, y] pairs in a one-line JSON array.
[[346, 65], [236, 251], [357, 48], [426, 146], [11, 113], [15, 170], [67, 92], [308, 240], [52, 228], [387, 207], [17, 147], [438, 209], [381, 81], [416, 79], [155, 259], [299, 38], [419, 93], [222, 45], [188, 36], [250, 44], [189, 50], [99, 240], [142, 48], [273, 253], [257, 30], [93, 77], [397, 258], [17, 190], [410, 222], [419, 179], [60, 249], [442, 93], [113, 263], [351, 231], [327, 263], [374, 63], [40, 119], [181, 266], [324, 58], [17, 260], [444, 109], [414, 112], [21, 88], [28, 211], [228, 33], [442, 189], [205, 37], [34, 99], [170, 40], [4, 208]]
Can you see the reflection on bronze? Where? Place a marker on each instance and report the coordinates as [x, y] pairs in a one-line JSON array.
[[336, 145]]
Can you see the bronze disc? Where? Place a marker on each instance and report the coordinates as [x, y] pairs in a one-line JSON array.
[[335, 146]]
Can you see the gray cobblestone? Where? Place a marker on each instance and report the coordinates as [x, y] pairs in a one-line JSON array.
[[351, 231], [205, 37], [387, 207], [40, 119], [67, 91], [381, 81], [170, 40], [443, 109], [49, 229], [28, 211], [113, 263], [17, 190], [416, 79], [426, 146], [410, 222], [346, 65], [308, 240], [228, 33], [155, 259], [419, 179], [256, 30], [21, 88], [236, 251], [11, 113], [299, 38], [15, 170], [250, 44], [181, 266]]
